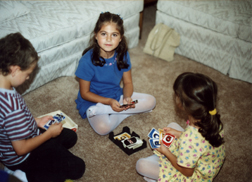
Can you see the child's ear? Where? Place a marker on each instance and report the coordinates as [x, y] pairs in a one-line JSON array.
[[14, 69]]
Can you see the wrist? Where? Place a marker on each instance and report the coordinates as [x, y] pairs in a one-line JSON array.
[[126, 97]]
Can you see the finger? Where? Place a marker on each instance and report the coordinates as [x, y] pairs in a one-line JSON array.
[[167, 129], [49, 117]]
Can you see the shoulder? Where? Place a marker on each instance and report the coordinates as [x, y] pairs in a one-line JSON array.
[[192, 138], [88, 53], [85, 60], [190, 131], [87, 56], [10, 99], [127, 59], [127, 55]]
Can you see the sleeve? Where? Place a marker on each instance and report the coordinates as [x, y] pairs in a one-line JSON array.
[[85, 69], [128, 61], [19, 125]]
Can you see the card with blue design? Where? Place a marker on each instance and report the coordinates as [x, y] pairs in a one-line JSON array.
[[60, 117], [156, 136], [153, 133], [56, 119], [154, 143]]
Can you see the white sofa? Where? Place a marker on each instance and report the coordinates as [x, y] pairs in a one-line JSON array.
[[60, 30], [214, 33]]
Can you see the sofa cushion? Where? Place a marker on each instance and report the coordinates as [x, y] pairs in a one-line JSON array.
[[232, 18], [12, 9], [53, 23]]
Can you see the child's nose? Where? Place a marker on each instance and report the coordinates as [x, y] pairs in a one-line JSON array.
[[108, 38]]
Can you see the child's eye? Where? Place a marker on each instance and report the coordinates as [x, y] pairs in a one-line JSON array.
[[114, 35], [103, 33]]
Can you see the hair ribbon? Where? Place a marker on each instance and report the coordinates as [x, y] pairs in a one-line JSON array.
[[213, 112]]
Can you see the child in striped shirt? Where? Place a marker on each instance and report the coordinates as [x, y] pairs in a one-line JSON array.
[[24, 144]]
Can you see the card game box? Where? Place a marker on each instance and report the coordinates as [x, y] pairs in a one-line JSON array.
[[129, 143], [59, 116]]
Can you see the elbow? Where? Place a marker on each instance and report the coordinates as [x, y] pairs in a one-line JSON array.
[[188, 172], [188, 175], [21, 151], [84, 95]]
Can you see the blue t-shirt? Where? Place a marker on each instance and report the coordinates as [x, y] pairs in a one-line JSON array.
[[104, 81]]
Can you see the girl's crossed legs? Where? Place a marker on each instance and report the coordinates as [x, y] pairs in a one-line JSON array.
[[149, 166], [104, 119]]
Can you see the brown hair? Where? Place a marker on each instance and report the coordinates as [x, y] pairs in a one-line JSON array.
[[16, 50], [198, 96], [121, 49]]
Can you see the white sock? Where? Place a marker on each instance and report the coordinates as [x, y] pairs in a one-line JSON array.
[[149, 179], [99, 109], [18, 173]]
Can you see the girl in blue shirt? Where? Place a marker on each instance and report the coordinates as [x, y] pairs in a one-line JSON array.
[[102, 67]]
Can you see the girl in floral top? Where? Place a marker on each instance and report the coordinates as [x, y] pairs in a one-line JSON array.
[[197, 153]]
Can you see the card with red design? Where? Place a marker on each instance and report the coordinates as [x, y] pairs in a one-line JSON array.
[[168, 139]]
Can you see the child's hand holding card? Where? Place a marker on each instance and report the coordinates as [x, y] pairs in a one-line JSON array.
[[58, 118], [157, 137], [168, 139]]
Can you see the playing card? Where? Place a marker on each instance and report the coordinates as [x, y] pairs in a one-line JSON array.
[[132, 142], [168, 139], [153, 133], [56, 119], [160, 135], [139, 143], [154, 143], [122, 136]]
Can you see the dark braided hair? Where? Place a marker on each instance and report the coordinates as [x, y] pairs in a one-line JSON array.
[[198, 95], [121, 49], [16, 50]]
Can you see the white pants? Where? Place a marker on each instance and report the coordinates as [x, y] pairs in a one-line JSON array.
[[105, 119], [149, 166]]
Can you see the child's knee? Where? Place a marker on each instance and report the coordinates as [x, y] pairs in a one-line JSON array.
[[102, 128], [81, 167], [150, 102], [140, 166]]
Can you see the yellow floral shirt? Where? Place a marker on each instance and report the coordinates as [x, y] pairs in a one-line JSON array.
[[192, 151]]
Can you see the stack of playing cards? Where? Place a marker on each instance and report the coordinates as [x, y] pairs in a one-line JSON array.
[[156, 136], [56, 119], [129, 143]]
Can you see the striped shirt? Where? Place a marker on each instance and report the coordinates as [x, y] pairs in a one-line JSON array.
[[16, 123]]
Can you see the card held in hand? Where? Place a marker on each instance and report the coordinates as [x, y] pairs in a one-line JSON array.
[[153, 133], [168, 139], [154, 143], [56, 119], [156, 136], [60, 116]]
